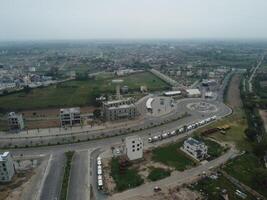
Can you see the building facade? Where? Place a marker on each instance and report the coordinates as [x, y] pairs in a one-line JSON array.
[[7, 169], [70, 116], [15, 121], [134, 147], [195, 148], [119, 109]]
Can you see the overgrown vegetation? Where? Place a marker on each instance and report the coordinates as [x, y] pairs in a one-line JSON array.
[[158, 173], [65, 182], [124, 177], [172, 156], [65, 94], [212, 189]]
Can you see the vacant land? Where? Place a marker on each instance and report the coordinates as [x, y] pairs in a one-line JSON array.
[[171, 155], [158, 173], [76, 93], [124, 178], [233, 93], [244, 169], [263, 114], [212, 188]]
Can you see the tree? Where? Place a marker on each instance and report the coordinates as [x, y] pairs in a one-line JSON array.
[[260, 177], [251, 133], [97, 113]]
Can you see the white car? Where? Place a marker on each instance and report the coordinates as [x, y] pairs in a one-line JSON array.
[[173, 133], [99, 177], [99, 172], [164, 135], [150, 140], [98, 158], [99, 162]]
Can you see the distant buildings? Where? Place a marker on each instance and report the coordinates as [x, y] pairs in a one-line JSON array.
[[15, 121], [70, 116], [134, 147], [7, 170], [119, 109], [195, 148]]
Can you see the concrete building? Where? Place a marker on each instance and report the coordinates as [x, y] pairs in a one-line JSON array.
[[119, 109], [134, 147], [195, 148], [193, 93], [70, 116], [15, 121], [7, 170]]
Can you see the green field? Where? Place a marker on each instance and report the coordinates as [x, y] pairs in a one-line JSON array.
[[172, 156], [212, 188], [129, 178], [76, 93]]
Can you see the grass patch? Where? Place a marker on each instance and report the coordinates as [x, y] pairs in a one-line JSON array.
[[171, 155], [65, 94], [211, 189], [243, 168], [158, 173], [214, 149], [65, 182], [129, 178]]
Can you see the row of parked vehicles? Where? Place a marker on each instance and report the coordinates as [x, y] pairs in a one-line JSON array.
[[184, 129], [99, 173]]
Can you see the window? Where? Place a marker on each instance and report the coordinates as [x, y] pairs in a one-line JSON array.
[[133, 142], [133, 150], [133, 146], [137, 149]]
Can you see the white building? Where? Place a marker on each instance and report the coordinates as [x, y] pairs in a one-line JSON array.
[[15, 121], [193, 93], [195, 148], [70, 116], [134, 147], [7, 170]]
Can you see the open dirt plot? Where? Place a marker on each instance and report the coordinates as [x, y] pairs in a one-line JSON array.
[[263, 114], [172, 194], [233, 93]]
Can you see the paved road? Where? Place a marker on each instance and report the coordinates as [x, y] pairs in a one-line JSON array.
[[253, 74], [176, 178], [52, 184], [79, 185]]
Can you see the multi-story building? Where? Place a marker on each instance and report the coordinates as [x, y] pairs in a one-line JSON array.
[[15, 121], [119, 109], [195, 148], [134, 147], [70, 116], [7, 169]]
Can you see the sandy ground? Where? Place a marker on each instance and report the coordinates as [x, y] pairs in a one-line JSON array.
[[173, 194], [52, 112], [233, 94], [263, 114], [25, 184]]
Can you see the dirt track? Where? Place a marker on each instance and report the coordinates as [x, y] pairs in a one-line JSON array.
[[233, 93]]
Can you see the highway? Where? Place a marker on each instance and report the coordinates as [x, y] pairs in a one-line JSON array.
[[253, 74], [79, 185], [52, 185]]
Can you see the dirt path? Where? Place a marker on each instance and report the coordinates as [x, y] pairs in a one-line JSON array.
[[233, 93]]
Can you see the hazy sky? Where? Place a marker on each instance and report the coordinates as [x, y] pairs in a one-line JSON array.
[[94, 19]]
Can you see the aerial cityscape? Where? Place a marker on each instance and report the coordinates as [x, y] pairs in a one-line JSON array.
[[102, 107]]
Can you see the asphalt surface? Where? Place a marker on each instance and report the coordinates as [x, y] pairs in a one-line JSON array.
[[52, 185], [79, 185]]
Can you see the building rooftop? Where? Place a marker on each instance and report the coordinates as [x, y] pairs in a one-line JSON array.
[[70, 110], [193, 142], [3, 155], [193, 91], [169, 93]]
